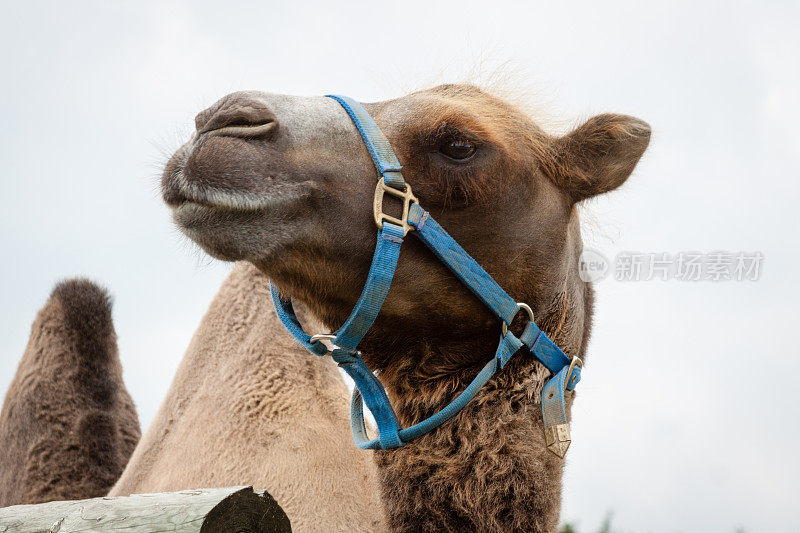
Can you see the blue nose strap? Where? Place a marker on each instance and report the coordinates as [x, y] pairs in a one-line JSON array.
[[376, 142], [566, 371]]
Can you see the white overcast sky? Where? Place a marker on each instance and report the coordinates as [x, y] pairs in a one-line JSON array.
[[687, 415]]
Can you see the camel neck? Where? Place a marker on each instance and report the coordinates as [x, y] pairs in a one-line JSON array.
[[487, 468]]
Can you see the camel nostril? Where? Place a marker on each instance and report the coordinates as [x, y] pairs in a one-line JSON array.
[[237, 117]]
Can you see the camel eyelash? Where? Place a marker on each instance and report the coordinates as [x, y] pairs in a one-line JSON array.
[[445, 131]]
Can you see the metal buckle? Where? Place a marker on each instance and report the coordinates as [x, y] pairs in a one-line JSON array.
[[377, 205], [522, 306], [326, 339], [557, 439], [576, 361]]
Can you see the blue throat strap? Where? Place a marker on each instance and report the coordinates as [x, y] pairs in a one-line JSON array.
[[368, 389]]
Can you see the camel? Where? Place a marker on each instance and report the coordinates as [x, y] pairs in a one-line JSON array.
[[68, 425], [284, 185]]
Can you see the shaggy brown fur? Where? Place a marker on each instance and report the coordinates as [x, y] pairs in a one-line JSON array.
[[68, 425], [487, 470]]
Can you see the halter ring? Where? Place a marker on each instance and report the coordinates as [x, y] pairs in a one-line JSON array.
[[323, 337], [527, 309]]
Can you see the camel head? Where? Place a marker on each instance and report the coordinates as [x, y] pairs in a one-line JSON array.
[[286, 183]]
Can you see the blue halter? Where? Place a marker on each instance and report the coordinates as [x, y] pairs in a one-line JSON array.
[[392, 230]]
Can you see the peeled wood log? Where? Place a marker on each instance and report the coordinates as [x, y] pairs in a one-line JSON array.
[[234, 509]]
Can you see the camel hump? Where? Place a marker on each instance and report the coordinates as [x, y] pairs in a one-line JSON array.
[[85, 311], [68, 425]]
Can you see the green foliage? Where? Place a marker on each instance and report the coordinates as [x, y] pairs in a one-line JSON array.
[[567, 528], [605, 526]]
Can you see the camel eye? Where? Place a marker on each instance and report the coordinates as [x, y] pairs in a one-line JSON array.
[[458, 150]]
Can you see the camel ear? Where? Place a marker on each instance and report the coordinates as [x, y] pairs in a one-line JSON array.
[[598, 156]]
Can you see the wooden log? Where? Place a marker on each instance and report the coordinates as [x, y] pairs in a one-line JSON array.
[[234, 509]]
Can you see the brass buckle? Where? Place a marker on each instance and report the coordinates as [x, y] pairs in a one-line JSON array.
[[377, 206], [557, 438], [576, 361], [522, 306]]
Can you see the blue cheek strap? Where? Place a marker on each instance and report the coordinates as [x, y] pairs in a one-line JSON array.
[[391, 232]]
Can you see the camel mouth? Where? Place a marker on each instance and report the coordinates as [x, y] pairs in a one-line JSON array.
[[180, 188], [233, 209], [233, 229], [183, 193]]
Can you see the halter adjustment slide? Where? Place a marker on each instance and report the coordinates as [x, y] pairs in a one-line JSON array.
[[377, 205]]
